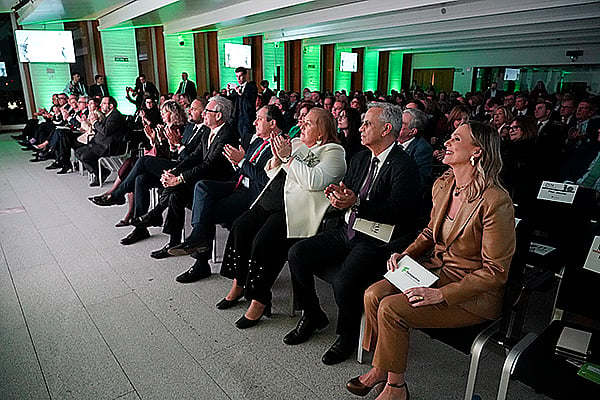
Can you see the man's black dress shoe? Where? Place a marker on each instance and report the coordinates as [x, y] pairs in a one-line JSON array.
[[187, 248], [54, 165], [108, 200], [161, 253], [305, 328], [196, 272], [147, 220], [135, 236], [225, 304], [245, 323], [339, 351], [39, 158], [66, 167]]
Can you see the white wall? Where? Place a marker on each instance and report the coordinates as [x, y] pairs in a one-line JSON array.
[[519, 57]]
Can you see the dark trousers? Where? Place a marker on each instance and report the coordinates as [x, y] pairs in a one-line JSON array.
[[174, 199], [145, 175], [66, 140], [215, 203], [349, 265], [89, 155], [256, 251]]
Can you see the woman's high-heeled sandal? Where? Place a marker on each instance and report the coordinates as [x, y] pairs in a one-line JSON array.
[[355, 386], [399, 386]]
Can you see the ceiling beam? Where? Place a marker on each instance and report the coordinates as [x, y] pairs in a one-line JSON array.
[[131, 11], [235, 11]]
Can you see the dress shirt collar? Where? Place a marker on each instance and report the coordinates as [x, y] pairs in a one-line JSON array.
[[407, 143]]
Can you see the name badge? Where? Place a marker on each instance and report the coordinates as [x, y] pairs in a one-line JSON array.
[[558, 192]]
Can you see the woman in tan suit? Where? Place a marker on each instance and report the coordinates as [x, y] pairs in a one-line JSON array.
[[468, 243]]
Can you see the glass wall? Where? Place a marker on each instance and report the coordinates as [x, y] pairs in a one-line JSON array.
[[12, 101]]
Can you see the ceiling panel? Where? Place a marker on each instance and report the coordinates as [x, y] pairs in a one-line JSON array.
[[417, 25]]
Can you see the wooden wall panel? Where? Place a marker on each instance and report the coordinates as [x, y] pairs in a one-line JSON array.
[[384, 71], [327, 67], [257, 57], [406, 71], [213, 60], [356, 80]]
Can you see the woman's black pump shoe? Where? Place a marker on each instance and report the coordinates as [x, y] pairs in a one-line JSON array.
[[244, 323], [225, 304]]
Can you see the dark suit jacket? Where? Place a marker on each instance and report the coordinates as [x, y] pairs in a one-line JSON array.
[[190, 89], [255, 170], [245, 106], [474, 259], [139, 91], [208, 163], [422, 153], [109, 132], [95, 90], [191, 139], [394, 195]]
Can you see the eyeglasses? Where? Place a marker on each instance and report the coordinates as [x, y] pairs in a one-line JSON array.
[[513, 128], [212, 111]]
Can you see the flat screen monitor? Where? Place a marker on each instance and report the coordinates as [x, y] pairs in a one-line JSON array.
[[512, 74], [45, 46], [3, 73], [238, 55], [349, 62]]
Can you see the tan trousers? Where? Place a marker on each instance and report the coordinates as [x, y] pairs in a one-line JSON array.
[[389, 316]]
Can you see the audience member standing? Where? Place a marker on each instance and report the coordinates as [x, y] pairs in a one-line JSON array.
[[98, 89], [75, 86], [186, 86], [243, 96]]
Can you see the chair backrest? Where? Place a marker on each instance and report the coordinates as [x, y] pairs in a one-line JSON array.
[[577, 295]]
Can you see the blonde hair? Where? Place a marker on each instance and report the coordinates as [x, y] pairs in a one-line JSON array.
[[488, 165], [325, 125]]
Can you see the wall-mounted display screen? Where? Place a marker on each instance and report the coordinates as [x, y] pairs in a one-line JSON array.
[[238, 55], [512, 74], [45, 46], [348, 62], [3, 73]]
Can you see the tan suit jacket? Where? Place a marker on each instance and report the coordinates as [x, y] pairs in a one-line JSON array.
[[473, 262]]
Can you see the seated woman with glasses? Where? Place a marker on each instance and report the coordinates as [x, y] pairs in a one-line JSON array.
[[290, 208]]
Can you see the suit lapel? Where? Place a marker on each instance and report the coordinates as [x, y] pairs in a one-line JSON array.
[[382, 168], [464, 215]]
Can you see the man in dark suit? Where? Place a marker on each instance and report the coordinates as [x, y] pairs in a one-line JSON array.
[[381, 186], [222, 202], [493, 92], [147, 171], [108, 133], [99, 88], [266, 93], [186, 86], [142, 86], [244, 97]]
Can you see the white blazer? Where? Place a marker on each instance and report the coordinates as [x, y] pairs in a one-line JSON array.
[[309, 172]]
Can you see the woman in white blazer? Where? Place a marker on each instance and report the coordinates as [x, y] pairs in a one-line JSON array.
[[290, 208]]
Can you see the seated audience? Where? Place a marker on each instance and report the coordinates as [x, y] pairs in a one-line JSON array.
[[301, 111], [523, 163], [290, 208], [381, 185], [469, 244], [108, 133], [348, 123], [148, 170]]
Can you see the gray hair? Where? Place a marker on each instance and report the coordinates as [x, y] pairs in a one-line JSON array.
[[390, 114], [418, 120], [223, 105]]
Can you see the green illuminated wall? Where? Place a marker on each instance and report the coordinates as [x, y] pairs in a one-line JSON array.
[[273, 55], [395, 71], [47, 78], [227, 75], [311, 67], [120, 44], [179, 59], [370, 70], [342, 80]]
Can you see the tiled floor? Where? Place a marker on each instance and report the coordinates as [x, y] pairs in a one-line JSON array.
[[83, 317]]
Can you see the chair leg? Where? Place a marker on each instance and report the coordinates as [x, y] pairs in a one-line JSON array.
[[476, 350], [293, 302], [361, 335], [511, 362]]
